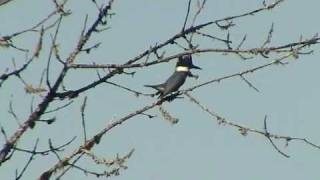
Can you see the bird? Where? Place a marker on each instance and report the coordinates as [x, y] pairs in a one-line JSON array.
[[177, 79]]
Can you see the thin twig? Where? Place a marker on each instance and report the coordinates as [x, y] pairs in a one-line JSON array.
[[267, 134], [82, 109], [29, 161], [90, 143], [187, 15], [244, 130]]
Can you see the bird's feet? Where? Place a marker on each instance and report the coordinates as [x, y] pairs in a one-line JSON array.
[[172, 96]]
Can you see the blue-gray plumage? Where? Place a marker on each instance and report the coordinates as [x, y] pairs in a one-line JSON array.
[[177, 79]]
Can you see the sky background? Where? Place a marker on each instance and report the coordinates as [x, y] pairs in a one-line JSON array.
[[197, 147]]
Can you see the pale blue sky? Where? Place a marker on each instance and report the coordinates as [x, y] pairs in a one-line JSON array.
[[197, 147]]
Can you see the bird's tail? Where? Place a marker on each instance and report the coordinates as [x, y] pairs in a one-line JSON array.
[[159, 88], [152, 86]]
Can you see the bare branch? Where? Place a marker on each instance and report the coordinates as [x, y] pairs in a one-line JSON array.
[[187, 15], [167, 116], [83, 106], [282, 49], [268, 40], [249, 83], [96, 139], [46, 152], [267, 134], [34, 27], [244, 130], [34, 116], [28, 162], [136, 93], [59, 108]]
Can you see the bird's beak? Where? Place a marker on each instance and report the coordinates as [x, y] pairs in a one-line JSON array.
[[195, 67]]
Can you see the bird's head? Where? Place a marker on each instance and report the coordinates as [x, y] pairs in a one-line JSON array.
[[185, 63]]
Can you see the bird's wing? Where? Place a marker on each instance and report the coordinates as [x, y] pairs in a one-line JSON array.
[[174, 82]]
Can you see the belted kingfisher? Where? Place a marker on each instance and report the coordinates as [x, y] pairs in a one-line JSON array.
[[177, 79]]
